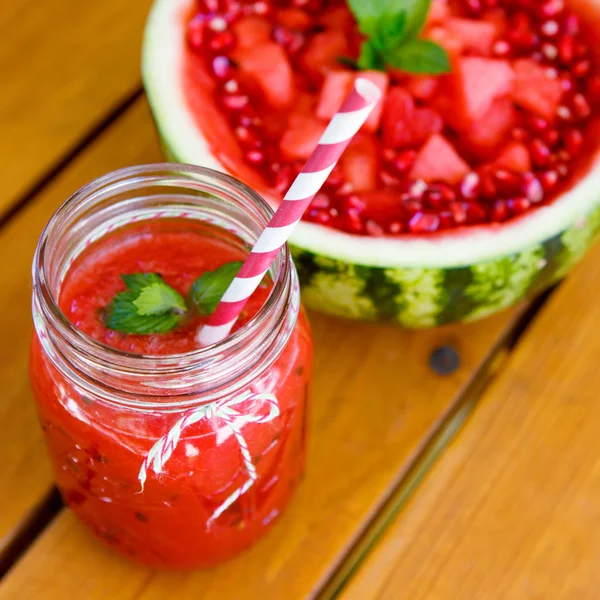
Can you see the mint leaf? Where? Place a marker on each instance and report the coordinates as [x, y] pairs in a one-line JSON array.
[[209, 288], [136, 282], [148, 306], [158, 298], [370, 57], [390, 32], [416, 15], [366, 13], [420, 56]]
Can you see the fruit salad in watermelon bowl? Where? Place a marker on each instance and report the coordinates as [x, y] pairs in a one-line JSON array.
[[474, 183]]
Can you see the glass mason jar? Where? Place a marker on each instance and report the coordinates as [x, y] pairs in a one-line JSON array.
[[178, 460]]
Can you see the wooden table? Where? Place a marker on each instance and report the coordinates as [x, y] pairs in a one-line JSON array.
[[480, 484]]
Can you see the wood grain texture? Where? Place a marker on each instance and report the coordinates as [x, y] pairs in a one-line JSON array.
[[24, 471], [375, 401], [512, 510], [64, 66]]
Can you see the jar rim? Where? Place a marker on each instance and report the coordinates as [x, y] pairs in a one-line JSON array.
[[193, 177]]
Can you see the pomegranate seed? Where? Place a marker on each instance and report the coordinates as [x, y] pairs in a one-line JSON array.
[[519, 134], [217, 24], [488, 187], [549, 179], [412, 206], [549, 28], [320, 216], [506, 181], [424, 223], [221, 40], [532, 188], [222, 67], [501, 48], [459, 214], [475, 213], [549, 51], [209, 6], [581, 50], [232, 10], [517, 206], [235, 102], [540, 153], [573, 141], [292, 41], [551, 8], [551, 137], [571, 24], [403, 161], [581, 68], [446, 220], [551, 73], [418, 188], [255, 157], [537, 123], [566, 82], [248, 137], [566, 49], [593, 88], [195, 32], [563, 156], [352, 203], [336, 177], [562, 170], [353, 221], [283, 178], [261, 8], [491, 3], [395, 227], [469, 186], [320, 201], [434, 199], [499, 211], [373, 228], [474, 7], [564, 113], [580, 105]]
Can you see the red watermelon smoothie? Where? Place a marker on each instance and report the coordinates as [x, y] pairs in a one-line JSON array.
[[176, 456]]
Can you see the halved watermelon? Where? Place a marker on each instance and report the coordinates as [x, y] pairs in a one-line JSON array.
[[415, 280]]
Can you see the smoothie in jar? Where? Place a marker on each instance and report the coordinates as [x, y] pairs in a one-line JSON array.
[[174, 455]]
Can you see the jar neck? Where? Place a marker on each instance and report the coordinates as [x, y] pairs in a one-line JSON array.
[[150, 192]]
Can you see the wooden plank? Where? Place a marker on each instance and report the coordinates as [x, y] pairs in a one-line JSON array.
[[513, 508], [65, 66], [375, 401]]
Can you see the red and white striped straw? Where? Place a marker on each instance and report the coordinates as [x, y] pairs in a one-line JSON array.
[[341, 129]]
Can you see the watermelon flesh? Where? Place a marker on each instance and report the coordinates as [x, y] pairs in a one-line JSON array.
[[534, 90], [439, 161]]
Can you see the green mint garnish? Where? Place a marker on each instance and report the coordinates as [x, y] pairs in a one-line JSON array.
[[392, 28], [209, 288], [150, 305]]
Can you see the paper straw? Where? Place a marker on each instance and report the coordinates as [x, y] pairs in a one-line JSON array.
[[341, 129]]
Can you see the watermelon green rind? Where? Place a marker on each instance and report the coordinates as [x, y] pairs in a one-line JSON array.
[[424, 297], [416, 281]]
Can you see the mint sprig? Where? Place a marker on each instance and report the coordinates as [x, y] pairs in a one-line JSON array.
[[149, 305], [209, 288], [392, 28]]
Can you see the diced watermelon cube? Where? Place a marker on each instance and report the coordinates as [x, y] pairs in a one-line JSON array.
[[360, 162], [381, 80], [534, 90], [294, 18], [302, 136], [382, 205], [476, 36], [323, 51], [439, 11], [405, 125], [485, 136], [336, 87], [514, 157], [421, 87], [251, 31], [270, 67], [481, 81], [446, 39], [439, 161]]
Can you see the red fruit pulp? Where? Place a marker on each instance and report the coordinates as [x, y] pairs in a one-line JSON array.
[[521, 72], [97, 447]]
